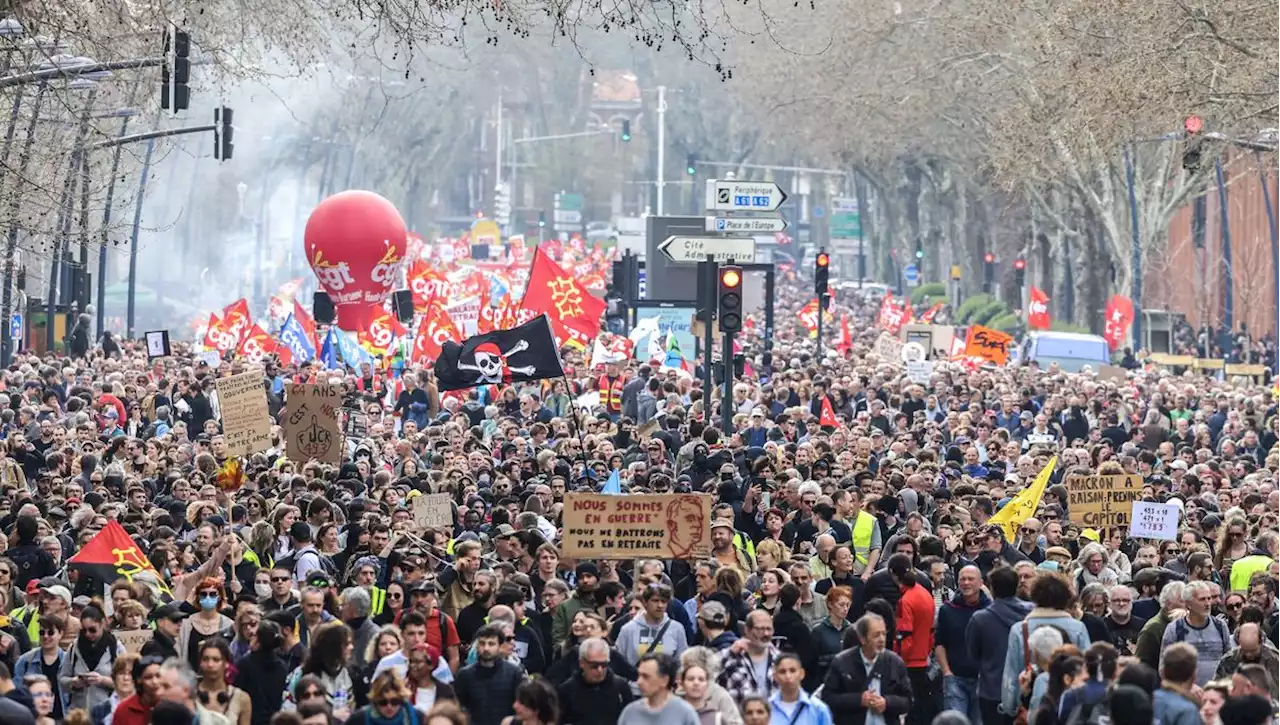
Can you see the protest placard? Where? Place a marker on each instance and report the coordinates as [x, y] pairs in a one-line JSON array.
[[134, 639], [246, 422], [920, 371], [432, 510], [658, 526], [1154, 521], [988, 344], [888, 348], [311, 427], [1102, 501]]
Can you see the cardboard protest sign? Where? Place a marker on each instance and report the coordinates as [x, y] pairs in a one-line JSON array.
[[432, 510], [988, 344], [1112, 373], [920, 371], [1102, 501], [1154, 521], [888, 348], [246, 422], [134, 639], [311, 427], [659, 526]]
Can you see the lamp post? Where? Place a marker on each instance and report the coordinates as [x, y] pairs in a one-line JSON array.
[[66, 211]]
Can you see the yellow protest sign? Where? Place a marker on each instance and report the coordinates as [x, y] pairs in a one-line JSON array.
[[1098, 502]]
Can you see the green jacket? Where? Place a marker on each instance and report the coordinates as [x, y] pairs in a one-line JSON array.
[[562, 618], [1149, 639]]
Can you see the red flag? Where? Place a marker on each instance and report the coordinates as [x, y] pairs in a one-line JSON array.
[[1038, 309], [307, 322], [256, 344], [214, 334], [1119, 317], [846, 338], [893, 314], [434, 331], [383, 330], [426, 282], [929, 314], [111, 554], [236, 319], [574, 312], [828, 417]]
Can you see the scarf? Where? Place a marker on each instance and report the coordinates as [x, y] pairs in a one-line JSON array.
[[91, 652], [408, 715]]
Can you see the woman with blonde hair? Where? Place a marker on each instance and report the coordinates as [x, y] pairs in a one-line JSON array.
[[699, 668], [769, 555], [388, 703]]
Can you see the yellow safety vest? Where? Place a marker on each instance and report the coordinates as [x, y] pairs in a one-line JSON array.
[[746, 546], [863, 529], [33, 626], [377, 600], [1244, 569]]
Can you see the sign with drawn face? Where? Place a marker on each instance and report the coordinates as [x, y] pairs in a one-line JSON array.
[[659, 526], [311, 423]]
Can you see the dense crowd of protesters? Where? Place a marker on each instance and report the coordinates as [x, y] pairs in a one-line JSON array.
[[855, 576]]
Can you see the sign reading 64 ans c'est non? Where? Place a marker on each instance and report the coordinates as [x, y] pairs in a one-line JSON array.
[[311, 423]]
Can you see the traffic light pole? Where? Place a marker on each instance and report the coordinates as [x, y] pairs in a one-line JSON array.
[[820, 316], [726, 408], [710, 282]]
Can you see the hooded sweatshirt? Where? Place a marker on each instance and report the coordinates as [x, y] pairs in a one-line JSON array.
[[953, 624], [987, 638], [637, 638]]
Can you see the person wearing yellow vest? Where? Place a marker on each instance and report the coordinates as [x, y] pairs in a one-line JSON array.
[[366, 575], [1243, 569], [867, 541], [610, 386]]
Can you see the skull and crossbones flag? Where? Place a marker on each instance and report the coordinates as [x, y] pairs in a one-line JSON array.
[[501, 357]]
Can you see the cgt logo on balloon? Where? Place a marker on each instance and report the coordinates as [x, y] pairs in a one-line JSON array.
[[334, 277], [384, 275]]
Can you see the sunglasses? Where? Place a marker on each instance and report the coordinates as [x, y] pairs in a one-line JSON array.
[[392, 701], [48, 632], [310, 694], [596, 665], [209, 593], [279, 578]]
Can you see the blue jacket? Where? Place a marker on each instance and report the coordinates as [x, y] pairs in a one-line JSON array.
[[987, 639], [1014, 661], [950, 633], [1174, 709], [29, 664], [814, 712]]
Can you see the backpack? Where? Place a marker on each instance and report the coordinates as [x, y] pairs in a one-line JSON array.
[[290, 562], [27, 559], [1180, 629]]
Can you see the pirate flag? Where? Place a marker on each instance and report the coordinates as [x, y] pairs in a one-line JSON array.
[[111, 554], [501, 357]]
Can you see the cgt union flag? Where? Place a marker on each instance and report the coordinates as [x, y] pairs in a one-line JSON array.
[[501, 357], [1119, 318], [1038, 309]]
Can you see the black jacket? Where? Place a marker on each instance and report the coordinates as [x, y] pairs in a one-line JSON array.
[[262, 676], [160, 646], [847, 680], [569, 666], [582, 703], [488, 694]]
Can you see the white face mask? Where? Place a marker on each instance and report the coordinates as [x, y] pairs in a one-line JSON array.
[[262, 589]]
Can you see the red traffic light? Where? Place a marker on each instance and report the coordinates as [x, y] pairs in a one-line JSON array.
[[1019, 263], [730, 278], [989, 258], [823, 260], [1193, 124]]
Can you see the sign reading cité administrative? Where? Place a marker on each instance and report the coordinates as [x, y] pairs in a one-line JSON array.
[[659, 526], [246, 422], [1102, 501], [311, 425]]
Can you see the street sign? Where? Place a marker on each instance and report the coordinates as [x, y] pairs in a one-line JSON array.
[[15, 325], [911, 275], [750, 225], [642, 285], [846, 220], [849, 246], [743, 195], [740, 250]]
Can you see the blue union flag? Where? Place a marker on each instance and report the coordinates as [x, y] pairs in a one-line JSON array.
[[294, 337]]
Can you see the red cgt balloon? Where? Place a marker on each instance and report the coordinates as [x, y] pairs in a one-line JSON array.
[[355, 242]]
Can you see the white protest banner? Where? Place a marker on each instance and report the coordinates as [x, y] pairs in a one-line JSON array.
[[920, 371], [888, 348], [246, 422], [432, 510], [1154, 521]]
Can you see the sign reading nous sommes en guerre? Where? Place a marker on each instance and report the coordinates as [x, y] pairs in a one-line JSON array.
[[1098, 502], [659, 526]]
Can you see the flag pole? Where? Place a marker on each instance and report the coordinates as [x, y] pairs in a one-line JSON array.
[[577, 425]]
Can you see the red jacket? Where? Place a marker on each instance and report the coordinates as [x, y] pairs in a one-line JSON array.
[[132, 711], [915, 626]]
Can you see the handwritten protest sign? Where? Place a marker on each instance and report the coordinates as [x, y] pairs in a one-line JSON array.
[[659, 526], [134, 639], [888, 348], [1154, 521], [432, 510], [1102, 501], [988, 344], [311, 428], [246, 422]]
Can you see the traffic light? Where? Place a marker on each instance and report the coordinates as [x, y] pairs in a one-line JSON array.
[[821, 274], [919, 251], [1020, 271], [223, 134], [542, 219], [730, 308], [1191, 152], [691, 165], [175, 79], [988, 271], [626, 130]]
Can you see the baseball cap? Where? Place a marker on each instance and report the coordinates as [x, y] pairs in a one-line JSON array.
[[503, 531], [59, 591], [1090, 534], [1179, 464], [722, 523], [170, 612], [714, 613], [300, 530]]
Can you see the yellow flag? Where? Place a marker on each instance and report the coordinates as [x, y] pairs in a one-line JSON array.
[[1024, 505]]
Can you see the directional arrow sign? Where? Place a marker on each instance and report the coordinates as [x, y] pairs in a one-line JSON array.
[[744, 195], [696, 249], [750, 225]]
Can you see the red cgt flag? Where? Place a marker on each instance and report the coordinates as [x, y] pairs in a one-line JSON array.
[[845, 346], [1119, 317], [256, 345], [828, 417], [383, 330], [1038, 309], [434, 331], [574, 312]]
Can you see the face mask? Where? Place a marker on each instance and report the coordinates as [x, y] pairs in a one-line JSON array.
[[208, 603], [262, 589]]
